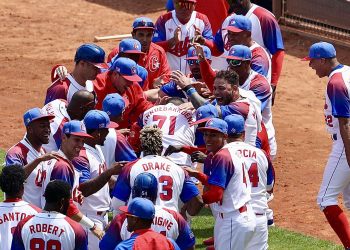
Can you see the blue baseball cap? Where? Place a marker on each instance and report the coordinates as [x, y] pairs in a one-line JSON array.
[[215, 124], [140, 207], [239, 52], [239, 23], [321, 50], [130, 46], [127, 68], [75, 127], [235, 124], [113, 104], [143, 23], [192, 54], [95, 119], [204, 113], [35, 114], [91, 53]]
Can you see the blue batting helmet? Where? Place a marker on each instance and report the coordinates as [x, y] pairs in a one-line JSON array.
[[145, 186]]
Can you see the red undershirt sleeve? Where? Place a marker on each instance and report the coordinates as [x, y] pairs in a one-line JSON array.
[[189, 149], [208, 74], [213, 194], [277, 61]]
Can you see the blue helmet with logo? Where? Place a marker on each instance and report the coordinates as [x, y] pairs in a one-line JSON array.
[[145, 186]]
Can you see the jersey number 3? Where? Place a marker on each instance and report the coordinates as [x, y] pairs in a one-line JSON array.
[[167, 187], [162, 119]]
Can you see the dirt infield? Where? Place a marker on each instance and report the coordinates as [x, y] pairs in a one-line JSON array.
[[39, 34]]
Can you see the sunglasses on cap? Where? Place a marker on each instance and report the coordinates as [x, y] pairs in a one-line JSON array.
[[185, 5], [192, 62], [234, 62], [143, 24]]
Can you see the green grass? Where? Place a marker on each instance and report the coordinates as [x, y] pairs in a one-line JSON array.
[[279, 238]]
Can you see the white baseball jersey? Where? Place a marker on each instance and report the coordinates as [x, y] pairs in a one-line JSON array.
[[11, 213], [58, 108], [91, 164], [175, 126], [49, 230], [260, 172], [173, 182], [228, 171], [22, 154], [61, 169], [165, 28]]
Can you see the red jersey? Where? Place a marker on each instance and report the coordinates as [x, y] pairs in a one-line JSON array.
[[154, 61], [215, 10], [135, 101]]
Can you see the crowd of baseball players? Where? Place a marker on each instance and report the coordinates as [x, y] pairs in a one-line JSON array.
[[130, 146]]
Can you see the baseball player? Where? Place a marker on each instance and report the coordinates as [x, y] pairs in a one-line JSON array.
[[176, 30], [122, 78], [166, 221], [265, 31], [30, 154], [116, 146], [261, 176], [239, 32], [13, 209], [82, 101], [336, 176], [89, 60], [51, 229], [227, 189], [173, 184], [172, 90], [229, 98], [93, 172], [140, 214], [154, 59]]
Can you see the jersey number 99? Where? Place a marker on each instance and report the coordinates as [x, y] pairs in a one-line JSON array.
[[40, 244]]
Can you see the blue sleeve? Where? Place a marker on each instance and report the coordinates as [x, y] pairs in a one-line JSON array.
[[258, 142], [170, 89], [258, 64], [62, 172], [189, 190], [199, 139], [123, 150], [127, 244], [122, 188], [176, 247], [160, 32], [222, 169], [82, 165], [219, 42], [339, 97], [272, 35], [170, 5], [186, 238], [14, 159], [112, 237], [270, 175], [207, 32]]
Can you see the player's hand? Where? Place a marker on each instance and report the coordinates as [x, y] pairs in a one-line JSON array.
[[124, 131], [273, 94], [177, 35], [162, 100], [60, 72], [188, 106], [191, 172], [199, 51], [98, 232], [118, 167], [160, 81], [180, 79], [49, 156], [173, 149], [198, 157]]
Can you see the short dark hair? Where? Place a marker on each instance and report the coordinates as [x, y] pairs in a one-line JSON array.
[[57, 190], [175, 100], [236, 135], [12, 178], [229, 75]]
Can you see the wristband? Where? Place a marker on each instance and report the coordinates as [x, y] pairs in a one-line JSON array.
[[191, 91], [187, 87], [86, 222]]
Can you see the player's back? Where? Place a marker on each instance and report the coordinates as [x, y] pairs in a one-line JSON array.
[[49, 230], [171, 178], [58, 108], [260, 173], [175, 126], [11, 213]]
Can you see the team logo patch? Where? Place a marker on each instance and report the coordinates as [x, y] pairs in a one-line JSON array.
[[170, 30], [82, 127], [232, 22], [233, 130], [194, 52], [133, 70], [136, 46], [28, 120], [210, 123], [200, 115], [154, 63], [102, 125], [117, 69]]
